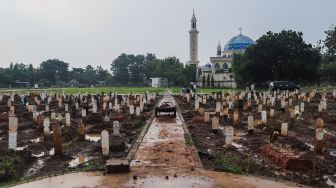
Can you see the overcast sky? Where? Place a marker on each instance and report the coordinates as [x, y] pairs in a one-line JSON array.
[[82, 32]]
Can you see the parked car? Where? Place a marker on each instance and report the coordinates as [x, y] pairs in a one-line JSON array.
[[283, 85]]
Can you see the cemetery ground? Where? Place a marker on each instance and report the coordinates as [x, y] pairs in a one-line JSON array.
[[49, 143], [291, 155], [39, 154]]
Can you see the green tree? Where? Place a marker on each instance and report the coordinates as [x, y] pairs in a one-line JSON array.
[[208, 81], [330, 41], [55, 70], [212, 82], [203, 81], [277, 56]]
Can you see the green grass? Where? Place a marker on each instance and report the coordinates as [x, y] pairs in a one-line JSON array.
[[188, 139], [121, 90], [134, 90], [227, 164]]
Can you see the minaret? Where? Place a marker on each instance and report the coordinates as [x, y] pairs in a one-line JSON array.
[[193, 42], [219, 50]]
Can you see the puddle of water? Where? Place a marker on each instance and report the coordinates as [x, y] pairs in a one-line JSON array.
[[155, 181], [21, 148], [333, 153], [329, 133], [78, 160], [238, 146], [52, 151], [38, 155], [93, 137], [38, 139], [67, 180], [331, 181], [311, 146], [34, 168]]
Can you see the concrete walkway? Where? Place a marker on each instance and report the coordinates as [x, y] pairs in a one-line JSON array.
[[163, 160]]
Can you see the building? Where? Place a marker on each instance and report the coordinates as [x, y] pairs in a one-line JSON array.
[[159, 82], [220, 65]]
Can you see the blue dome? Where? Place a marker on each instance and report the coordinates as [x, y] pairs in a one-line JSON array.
[[208, 65], [239, 42]]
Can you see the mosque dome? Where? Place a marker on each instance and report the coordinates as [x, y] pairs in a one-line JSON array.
[[239, 42], [208, 65]]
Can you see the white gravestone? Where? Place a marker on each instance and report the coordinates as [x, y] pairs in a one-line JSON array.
[[228, 135], [46, 125], [116, 128], [12, 140], [67, 119], [105, 143], [264, 116], [196, 104], [83, 112], [215, 123], [137, 109], [284, 129], [250, 123], [13, 124], [131, 109]]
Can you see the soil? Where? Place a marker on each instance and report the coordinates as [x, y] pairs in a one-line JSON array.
[[245, 155], [43, 161]]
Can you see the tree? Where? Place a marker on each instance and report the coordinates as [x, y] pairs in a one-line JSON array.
[[330, 41], [208, 80], [55, 70], [212, 82], [277, 56], [119, 68], [203, 81]]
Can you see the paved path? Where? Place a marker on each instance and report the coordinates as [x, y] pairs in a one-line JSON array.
[[163, 160]]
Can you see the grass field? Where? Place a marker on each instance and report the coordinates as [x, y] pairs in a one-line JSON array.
[[127, 90]]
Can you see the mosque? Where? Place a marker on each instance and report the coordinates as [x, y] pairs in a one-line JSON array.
[[220, 65]]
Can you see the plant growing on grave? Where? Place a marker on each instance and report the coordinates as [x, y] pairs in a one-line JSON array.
[[227, 164]]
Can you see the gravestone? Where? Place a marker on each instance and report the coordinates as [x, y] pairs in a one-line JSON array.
[[67, 119], [57, 138], [264, 116], [228, 135], [215, 123], [250, 124], [12, 140], [116, 128], [235, 118], [271, 112], [197, 104], [83, 113], [131, 109], [319, 134], [105, 143], [137, 110], [284, 129], [46, 125], [81, 129], [206, 116]]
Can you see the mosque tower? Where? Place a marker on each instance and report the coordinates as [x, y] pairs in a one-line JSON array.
[[193, 42]]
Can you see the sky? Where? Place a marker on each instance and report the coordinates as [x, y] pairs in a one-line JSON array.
[[83, 32]]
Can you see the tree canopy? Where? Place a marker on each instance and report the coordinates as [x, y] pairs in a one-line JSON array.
[[277, 56]]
